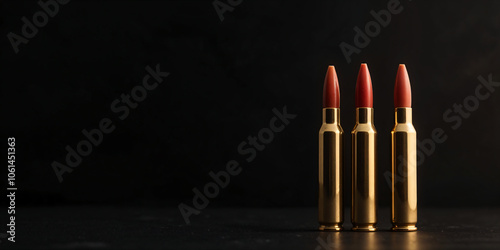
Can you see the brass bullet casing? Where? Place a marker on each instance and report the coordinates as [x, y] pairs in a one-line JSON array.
[[404, 172], [364, 169], [330, 203]]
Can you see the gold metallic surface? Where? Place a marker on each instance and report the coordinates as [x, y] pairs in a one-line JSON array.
[[330, 203], [404, 172], [364, 169]]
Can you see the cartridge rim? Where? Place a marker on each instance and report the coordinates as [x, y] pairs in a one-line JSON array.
[[331, 227], [404, 228], [364, 227]]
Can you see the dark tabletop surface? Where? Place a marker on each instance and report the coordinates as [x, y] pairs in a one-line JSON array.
[[243, 228]]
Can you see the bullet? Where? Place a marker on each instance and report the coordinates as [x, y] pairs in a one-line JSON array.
[[364, 150], [404, 157], [330, 200]]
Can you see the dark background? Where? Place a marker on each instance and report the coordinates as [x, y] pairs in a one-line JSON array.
[[225, 79]]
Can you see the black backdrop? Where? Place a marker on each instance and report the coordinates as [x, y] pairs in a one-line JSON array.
[[225, 79]]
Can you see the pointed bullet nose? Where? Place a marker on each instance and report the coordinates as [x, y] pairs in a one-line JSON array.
[[364, 92], [402, 88], [331, 92]]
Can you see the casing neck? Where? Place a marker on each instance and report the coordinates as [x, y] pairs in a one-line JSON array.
[[403, 115], [364, 115], [331, 115]]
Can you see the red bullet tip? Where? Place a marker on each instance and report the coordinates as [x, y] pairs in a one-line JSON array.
[[402, 88], [331, 92], [364, 92]]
